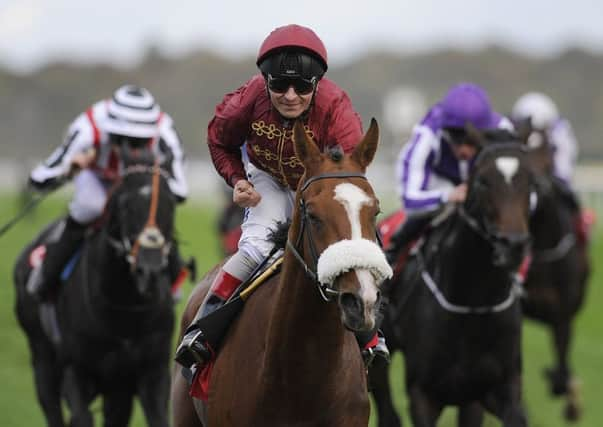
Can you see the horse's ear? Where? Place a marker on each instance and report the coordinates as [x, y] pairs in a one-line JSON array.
[[365, 151], [305, 149], [523, 128]]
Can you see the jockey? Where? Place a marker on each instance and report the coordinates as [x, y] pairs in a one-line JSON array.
[[433, 167], [544, 116], [131, 116], [265, 173]]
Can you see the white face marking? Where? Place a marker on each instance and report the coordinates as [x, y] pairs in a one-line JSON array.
[[507, 166], [145, 191], [535, 140], [352, 198], [368, 287]]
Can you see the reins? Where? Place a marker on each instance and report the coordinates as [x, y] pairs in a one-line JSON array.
[[325, 291]]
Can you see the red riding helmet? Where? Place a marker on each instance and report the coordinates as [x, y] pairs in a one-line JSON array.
[[303, 42]]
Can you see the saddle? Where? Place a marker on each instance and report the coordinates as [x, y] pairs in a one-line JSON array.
[[47, 310], [216, 324]]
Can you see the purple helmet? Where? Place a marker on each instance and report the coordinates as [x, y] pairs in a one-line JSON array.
[[467, 103]]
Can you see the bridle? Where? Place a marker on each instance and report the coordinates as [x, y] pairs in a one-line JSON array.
[[325, 290], [150, 236], [480, 225]]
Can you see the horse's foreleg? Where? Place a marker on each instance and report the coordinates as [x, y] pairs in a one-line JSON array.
[[559, 376], [117, 408], [47, 376], [79, 392], [154, 394], [424, 411], [471, 415], [505, 403], [561, 380], [379, 386]]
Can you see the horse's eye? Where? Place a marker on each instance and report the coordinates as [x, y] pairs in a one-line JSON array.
[[314, 220]]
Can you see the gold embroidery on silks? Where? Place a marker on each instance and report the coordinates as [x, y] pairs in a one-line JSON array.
[[271, 131], [261, 128], [265, 153]]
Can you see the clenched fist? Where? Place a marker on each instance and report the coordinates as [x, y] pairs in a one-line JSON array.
[[245, 195]]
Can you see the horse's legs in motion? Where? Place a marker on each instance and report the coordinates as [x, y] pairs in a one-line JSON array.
[[471, 415], [117, 408], [47, 375], [79, 393], [560, 377], [379, 386], [505, 403], [154, 394], [424, 412]]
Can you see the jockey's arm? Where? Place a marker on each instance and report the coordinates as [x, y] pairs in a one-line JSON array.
[[170, 142], [76, 151], [413, 169], [566, 151]]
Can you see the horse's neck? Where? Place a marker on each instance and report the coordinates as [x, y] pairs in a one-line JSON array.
[[304, 330], [106, 272], [463, 267], [549, 223]]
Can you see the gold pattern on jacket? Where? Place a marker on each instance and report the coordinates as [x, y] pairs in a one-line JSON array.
[[267, 156]]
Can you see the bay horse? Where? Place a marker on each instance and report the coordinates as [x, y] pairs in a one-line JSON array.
[[454, 310], [290, 358], [557, 278], [114, 312]]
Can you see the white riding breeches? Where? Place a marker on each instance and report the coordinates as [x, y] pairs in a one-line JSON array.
[[89, 197], [261, 220]]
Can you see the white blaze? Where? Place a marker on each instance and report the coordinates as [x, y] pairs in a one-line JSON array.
[[353, 198], [507, 166]]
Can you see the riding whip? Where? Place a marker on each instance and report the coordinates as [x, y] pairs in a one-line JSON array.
[[29, 206]]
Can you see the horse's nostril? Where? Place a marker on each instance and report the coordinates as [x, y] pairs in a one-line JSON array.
[[351, 302]]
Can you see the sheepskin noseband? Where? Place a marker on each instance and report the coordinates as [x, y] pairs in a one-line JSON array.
[[346, 255]]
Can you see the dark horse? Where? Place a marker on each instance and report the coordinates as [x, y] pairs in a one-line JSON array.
[[455, 310], [290, 359], [557, 278], [114, 312]]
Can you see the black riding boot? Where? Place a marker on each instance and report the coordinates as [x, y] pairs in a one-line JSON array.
[[57, 255], [408, 231], [194, 347]]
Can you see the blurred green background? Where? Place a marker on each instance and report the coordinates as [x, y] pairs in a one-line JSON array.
[[196, 228]]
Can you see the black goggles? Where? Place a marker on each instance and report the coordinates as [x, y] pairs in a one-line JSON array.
[[456, 136], [130, 141], [300, 85]]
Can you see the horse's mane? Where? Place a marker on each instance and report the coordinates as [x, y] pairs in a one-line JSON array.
[[279, 235]]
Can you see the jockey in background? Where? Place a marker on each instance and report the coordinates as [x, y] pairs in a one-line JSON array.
[[91, 148], [264, 175], [544, 116], [433, 167]]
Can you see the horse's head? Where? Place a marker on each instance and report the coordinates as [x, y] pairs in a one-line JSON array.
[[540, 154], [141, 217], [334, 227], [498, 199]]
